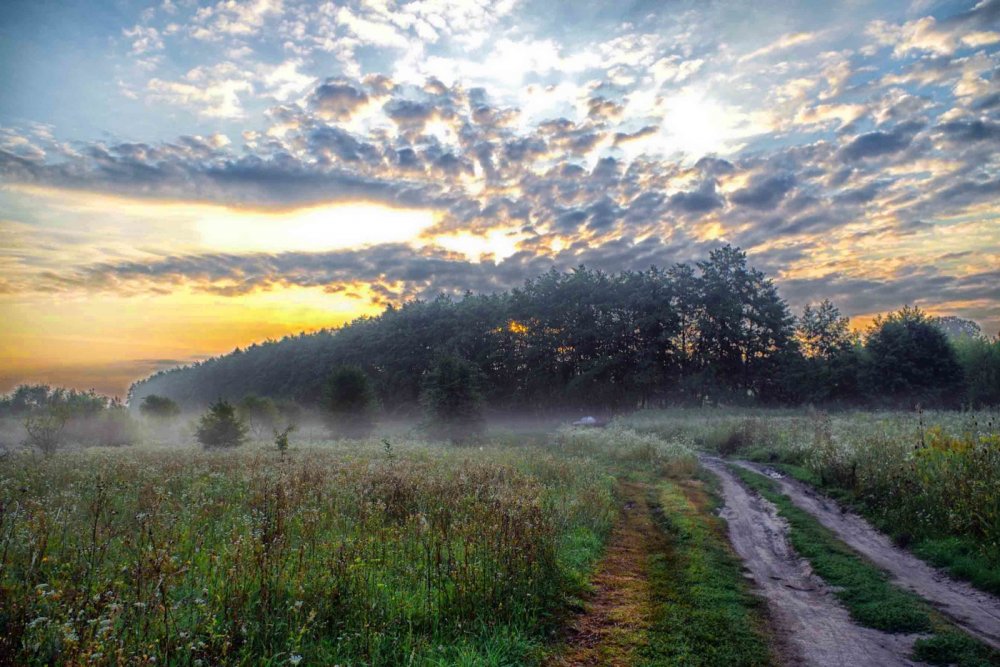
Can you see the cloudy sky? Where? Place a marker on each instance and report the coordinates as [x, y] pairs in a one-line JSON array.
[[181, 177]]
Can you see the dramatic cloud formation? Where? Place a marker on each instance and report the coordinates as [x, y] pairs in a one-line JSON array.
[[312, 156]]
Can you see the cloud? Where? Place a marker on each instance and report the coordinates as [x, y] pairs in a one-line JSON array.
[[337, 99], [211, 92], [781, 44], [233, 18], [879, 143], [969, 131], [580, 144], [765, 193]]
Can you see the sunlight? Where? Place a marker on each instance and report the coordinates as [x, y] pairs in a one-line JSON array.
[[696, 125], [326, 227], [498, 243]]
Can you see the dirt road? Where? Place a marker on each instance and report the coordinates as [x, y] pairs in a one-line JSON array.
[[612, 629], [812, 626], [976, 612]]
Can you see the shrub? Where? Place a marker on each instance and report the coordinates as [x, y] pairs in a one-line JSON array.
[[350, 402], [44, 428], [159, 407], [221, 427], [281, 438], [452, 401]]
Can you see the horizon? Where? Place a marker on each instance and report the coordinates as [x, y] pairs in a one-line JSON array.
[[179, 179]]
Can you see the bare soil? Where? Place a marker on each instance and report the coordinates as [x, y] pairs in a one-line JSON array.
[[812, 627], [618, 614], [975, 611]]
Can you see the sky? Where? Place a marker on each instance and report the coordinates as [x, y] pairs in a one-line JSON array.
[[178, 178]]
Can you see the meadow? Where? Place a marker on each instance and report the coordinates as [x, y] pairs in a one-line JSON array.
[[403, 551]]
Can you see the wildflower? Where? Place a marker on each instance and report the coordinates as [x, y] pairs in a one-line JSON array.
[[295, 659]]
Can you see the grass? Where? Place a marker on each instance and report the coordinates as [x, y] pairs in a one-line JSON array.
[[928, 479], [423, 554], [961, 556], [865, 590], [334, 554], [704, 614]]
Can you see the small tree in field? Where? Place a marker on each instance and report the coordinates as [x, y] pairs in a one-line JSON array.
[[221, 427], [452, 400], [281, 439], [259, 413], [159, 407], [44, 428], [350, 402]]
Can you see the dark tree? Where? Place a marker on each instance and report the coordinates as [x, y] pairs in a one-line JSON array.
[[822, 331], [158, 407], [452, 400], [828, 368], [909, 360], [350, 402], [980, 362], [221, 427]]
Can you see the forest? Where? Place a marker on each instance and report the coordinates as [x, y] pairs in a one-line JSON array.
[[716, 332]]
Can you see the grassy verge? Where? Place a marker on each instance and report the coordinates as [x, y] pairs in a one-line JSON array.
[[865, 590], [704, 614], [959, 556]]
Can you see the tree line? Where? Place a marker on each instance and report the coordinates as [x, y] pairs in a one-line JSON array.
[[713, 332]]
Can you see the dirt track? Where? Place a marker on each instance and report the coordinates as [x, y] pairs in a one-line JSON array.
[[612, 629], [976, 612], [812, 626]]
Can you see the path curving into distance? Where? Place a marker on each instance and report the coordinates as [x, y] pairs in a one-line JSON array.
[[811, 624], [976, 612]]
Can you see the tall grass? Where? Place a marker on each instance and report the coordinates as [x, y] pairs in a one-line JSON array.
[[330, 555], [931, 479]]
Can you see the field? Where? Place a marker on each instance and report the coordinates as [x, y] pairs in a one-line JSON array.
[[622, 545]]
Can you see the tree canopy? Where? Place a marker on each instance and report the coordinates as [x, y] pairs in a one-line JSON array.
[[715, 331]]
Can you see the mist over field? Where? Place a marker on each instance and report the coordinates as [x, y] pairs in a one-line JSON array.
[[456, 332]]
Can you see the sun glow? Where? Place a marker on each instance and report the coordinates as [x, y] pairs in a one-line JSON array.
[[498, 244], [326, 227]]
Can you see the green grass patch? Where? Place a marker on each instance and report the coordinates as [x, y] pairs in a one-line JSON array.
[[866, 591], [954, 648], [960, 556], [579, 550], [326, 555], [704, 613], [863, 588]]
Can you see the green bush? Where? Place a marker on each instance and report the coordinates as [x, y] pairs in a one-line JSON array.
[[453, 402], [159, 407], [221, 427], [350, 402]]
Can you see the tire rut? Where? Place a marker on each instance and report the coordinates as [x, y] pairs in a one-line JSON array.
[[812, 627], [976, 612]]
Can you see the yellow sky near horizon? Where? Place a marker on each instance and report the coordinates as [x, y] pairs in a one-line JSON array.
[[67, 323]]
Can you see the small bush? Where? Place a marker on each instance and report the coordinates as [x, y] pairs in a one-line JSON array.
[[158, 407], [350, 402], [281, 438], [221, 427], [453, 402], [44, 428]]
